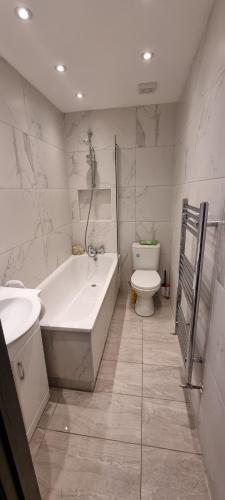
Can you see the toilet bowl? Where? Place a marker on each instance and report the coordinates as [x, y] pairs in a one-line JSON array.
[[145, 283]]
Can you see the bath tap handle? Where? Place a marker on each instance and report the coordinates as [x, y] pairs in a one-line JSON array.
[[101, 250]]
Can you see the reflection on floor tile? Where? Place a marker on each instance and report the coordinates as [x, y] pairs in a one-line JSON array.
[[169, 424], [111, 416], [35, 441], [163, 382], [72, 467], [123, 378], [161, 353], [171, 475], [125, 329], [47, 414], [129, 350], [162, 320], [126, 312]]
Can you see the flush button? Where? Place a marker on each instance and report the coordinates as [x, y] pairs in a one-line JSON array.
[[137, 255]]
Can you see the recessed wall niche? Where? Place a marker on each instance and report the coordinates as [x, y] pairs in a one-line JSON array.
[[101, 204]]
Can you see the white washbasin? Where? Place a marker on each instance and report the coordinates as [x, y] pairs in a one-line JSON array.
[[19, 309]]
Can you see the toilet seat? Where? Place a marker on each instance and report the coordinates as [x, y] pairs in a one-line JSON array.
[[145, 280]]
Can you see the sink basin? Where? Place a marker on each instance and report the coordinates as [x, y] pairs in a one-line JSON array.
[[19, 309]]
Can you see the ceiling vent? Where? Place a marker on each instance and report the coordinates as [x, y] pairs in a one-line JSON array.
[[147, 88]]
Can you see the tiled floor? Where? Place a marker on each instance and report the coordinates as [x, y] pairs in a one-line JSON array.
[[134, 437]]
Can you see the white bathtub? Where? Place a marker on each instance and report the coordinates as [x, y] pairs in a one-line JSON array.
[[79, 298]]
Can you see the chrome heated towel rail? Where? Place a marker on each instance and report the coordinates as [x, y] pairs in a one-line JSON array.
[[194, 220]]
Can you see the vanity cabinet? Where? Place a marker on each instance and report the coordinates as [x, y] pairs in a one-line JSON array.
[[29, 371]]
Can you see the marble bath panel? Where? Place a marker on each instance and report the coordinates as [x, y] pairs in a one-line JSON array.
[[169, 424], [12, 107], [155, 125], [79, 170], [154, 166], [69, 466], [105, 124], [153, 203], [110, 416], [170, 475]]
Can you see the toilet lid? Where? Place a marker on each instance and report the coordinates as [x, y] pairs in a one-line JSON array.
[[146, 280]]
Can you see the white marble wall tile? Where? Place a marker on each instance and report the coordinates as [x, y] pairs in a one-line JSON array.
[[155, 125], [127, 236], [101, 204], [154, 166], [125, 272], [48, 164], [126, 167], [26, 263], [99, 233], [105, 124], [153, 203], [16, 165], [20, 219], [79, 170], [74, 204], [160, 231], [54, 209], [57, 247], [44, 120], [126, 204], [12, 108]]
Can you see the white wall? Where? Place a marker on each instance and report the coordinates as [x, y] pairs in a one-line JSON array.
[[200, 176], [145, 136], [35, 220]]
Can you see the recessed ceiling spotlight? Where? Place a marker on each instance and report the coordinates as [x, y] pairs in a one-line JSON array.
[[147, 56], [61, 68], [23, 13], [80, 95]]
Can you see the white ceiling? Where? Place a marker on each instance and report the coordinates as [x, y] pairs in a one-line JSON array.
[[101, 41]]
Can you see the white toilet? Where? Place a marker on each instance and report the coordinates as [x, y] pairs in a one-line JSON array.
[[145, 280]]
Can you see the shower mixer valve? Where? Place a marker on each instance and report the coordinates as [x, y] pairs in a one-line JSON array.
[[93, 252]]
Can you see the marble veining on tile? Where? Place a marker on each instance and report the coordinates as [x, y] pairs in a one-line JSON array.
[[110, 416], [120, 377]]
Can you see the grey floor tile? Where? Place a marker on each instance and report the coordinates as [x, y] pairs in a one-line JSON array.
[[160, 321], [47, 414], [36, 440], [125, 349], [170, 475], [163, 382], [111, 416], [125, 329], [120, 377], [161, 353], [70, 467], [125, 312], [169, 424]]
